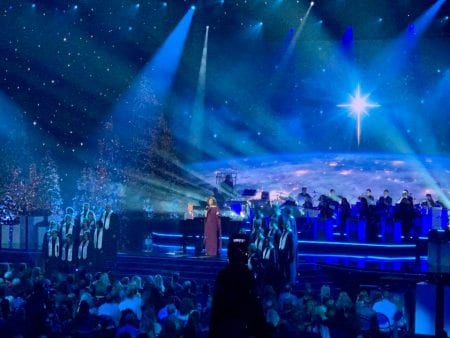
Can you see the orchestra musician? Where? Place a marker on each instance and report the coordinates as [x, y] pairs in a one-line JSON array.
[[405, 214]]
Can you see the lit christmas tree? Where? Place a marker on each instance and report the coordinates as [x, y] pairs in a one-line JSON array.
[[101, 183], [14, 201], [49, 191]]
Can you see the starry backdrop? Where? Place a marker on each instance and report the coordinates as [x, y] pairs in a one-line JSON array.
[[274, 75]]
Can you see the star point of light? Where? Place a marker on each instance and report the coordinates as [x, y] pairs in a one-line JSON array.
[[359, 106]]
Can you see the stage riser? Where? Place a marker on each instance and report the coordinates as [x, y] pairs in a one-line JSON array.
[[321, 247], [202, 270], [361, 249]]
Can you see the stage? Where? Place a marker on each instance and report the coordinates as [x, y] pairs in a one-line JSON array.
[[350, 174]]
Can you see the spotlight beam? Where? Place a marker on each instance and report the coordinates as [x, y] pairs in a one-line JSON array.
[[196, 130], [294, 40], [358, 106]]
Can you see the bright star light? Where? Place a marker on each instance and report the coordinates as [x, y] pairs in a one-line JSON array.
[[358, 106]]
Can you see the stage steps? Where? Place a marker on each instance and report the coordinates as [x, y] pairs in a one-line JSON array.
[[204, 270], [201, 269]]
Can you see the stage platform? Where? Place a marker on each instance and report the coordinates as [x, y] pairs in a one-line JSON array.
[[319, 262]]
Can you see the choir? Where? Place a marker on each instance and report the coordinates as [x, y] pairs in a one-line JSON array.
[[82, 241]]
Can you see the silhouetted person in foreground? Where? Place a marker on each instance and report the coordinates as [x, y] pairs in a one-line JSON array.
[[236, 310]]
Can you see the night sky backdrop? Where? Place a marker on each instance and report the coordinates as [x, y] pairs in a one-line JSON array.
[[67, 67]]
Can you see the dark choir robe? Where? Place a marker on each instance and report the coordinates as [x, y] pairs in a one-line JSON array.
[[80, 218], [275, 234], [68, 257], [98, 242], [85, 254], [293, 226], [269, 264], [269, 256], [259, 243], [91, 224], [52, 251], [47, 236], [286, 255], [66, 229], [79, 235], [110, 223]]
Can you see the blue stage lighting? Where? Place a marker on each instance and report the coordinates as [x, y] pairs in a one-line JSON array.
[[347, 38], [151, 88], [193, 7], [164, 4], [260, 23], [33, 5], [138, 5]]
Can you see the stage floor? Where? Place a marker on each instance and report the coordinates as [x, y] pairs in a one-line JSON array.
[[385, 258]]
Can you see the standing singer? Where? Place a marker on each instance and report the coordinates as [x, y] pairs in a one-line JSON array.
[[213, 230]]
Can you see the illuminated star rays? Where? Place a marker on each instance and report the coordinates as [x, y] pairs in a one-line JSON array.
[[358, 106]]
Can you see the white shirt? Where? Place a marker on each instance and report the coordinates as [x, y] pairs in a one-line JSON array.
[[111, 310], [134, 304], [387, 308]]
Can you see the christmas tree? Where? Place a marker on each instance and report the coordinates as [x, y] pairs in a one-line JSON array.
[[15, 155], [14, 200], [101, 183], [48, 190]]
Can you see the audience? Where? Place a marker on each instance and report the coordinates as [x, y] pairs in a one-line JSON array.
[[101, 305]]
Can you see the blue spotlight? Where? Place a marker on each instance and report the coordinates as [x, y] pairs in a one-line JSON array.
[[33, 5], [277, 3], [75, 7], [197, 127], [164, 4], [347, 41], [412, 29], [380, 20], [393, 58], [294, 40], [138, 5], [254, 29], [193, 7], [152, 86], [425, 19]]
